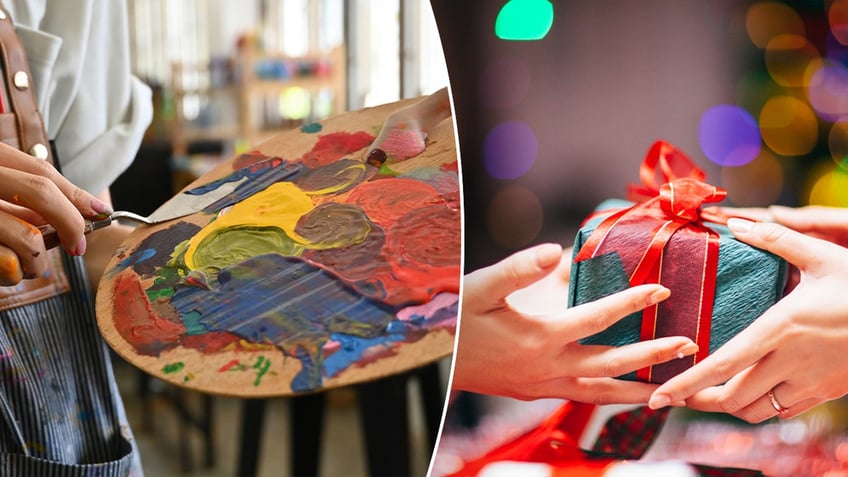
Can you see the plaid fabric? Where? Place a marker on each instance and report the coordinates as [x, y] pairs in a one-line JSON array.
[[629, 434]]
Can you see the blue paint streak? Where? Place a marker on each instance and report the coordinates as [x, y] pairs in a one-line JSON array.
[[136, 257], [285, 301]]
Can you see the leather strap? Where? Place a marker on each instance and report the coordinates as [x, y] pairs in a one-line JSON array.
[[22, 127], [32, 137]]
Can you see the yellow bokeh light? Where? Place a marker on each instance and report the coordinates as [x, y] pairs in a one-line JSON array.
[[295, 103], [787, 58], [828, 185], [514, 217], [788, 126], [765, 20], [756, 184]]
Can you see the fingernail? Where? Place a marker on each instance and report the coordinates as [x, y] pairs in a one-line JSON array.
[[678, 404], [100, 207], [659, 401], [81, 246], [687, 350], [658, 296], [739, 225]]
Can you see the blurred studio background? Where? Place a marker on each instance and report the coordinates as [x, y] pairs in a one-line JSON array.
[[556, 105], [227, 75]]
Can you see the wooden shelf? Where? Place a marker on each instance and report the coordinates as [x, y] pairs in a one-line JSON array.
[[242, 87]]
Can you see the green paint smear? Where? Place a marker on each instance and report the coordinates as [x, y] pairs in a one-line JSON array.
[[173, 367], [261, 366], [234, 245], [524, 20], [311, 128], [163, 285], [192, 324]]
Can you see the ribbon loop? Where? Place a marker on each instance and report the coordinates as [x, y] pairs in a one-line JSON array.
[[663, 163], [683, 198]]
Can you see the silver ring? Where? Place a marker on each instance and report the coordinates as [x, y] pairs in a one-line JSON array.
[[776, 405]]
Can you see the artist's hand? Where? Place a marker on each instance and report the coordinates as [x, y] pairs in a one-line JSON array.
[[404, 132], [506, 348], [33, 193], [796, 349]]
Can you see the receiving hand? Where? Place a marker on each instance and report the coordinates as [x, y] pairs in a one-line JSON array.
[[506, 348], [791, 358], [33, 193]]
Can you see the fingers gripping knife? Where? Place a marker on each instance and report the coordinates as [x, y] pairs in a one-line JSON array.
[[181, 205]]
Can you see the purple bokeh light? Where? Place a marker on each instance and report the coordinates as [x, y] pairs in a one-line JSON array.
[[828, 91], [729, 135], [510, 150]]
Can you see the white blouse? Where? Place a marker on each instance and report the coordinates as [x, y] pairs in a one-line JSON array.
[[93, 107]]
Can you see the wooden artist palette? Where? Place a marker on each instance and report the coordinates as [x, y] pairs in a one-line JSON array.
[[341, 273]]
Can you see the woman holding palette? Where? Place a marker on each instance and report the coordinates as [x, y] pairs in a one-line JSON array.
[[60, 412]]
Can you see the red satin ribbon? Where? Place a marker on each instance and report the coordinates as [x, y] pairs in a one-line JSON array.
[[641, 235]]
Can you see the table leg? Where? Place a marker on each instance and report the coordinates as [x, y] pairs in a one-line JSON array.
[[252, 420], [307, 422], [432, 397], [385, 424]]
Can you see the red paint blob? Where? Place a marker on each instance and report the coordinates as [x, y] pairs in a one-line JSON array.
[[385, 201], [334, 146], [136, 321]]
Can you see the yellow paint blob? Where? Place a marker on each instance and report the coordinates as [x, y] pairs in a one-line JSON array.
[[280, 205]]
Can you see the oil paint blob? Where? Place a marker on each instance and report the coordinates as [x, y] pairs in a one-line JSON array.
[[330, 260]]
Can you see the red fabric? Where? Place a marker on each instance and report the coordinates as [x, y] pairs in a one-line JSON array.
[[554, 441], [663, 240]]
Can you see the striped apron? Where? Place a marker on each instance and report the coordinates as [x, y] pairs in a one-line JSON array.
[[60, 411]]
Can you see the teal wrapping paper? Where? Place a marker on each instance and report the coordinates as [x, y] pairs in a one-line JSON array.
[[748, 282]]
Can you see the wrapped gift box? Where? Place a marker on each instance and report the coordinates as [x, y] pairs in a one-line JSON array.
[[709, 304]]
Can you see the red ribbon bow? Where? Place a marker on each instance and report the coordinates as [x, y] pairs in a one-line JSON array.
[[641, 235]]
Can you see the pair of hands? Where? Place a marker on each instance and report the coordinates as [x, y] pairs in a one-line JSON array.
[[513, 343], [33, 193]]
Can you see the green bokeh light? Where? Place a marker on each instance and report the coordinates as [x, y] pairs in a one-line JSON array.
[[524, 20]]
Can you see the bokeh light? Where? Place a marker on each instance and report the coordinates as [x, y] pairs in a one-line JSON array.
[[754, 88], [756, 184], [837, 141], [788, 126], [514, 217], [729, 136], [524, 20], [827, 89], [295, 103], [510, 150], [504, 83], [787, 58], [828, 185], [766, 20], [837, 18]]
